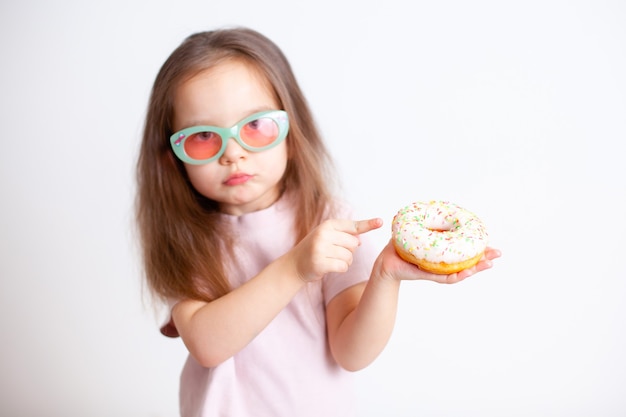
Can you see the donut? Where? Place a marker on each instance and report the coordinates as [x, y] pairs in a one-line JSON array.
[[439, 236]]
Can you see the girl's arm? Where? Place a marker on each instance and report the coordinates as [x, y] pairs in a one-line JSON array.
[[215, 331], [361, 318]]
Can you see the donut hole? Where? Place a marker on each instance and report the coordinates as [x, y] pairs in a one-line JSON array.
[[440, 225]]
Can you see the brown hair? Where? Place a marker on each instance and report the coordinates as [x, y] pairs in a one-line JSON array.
[[182, 241]]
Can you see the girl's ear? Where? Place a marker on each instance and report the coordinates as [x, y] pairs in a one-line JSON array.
[[168, 159], [169, 163], [289, 147]]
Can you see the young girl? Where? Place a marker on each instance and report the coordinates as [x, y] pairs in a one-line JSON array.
[[272, 285]]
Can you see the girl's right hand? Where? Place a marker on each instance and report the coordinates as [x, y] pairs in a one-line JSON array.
[[390, 265], [330, 247]]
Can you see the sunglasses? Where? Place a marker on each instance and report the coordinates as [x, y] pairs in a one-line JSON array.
[[203, 144]]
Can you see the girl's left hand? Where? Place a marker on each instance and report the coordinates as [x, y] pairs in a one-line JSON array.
[[389, 264]]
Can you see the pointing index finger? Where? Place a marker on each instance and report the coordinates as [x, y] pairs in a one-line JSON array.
[[364, 226]]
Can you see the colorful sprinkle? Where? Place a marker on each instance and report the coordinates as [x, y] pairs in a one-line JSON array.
[[440, 231]]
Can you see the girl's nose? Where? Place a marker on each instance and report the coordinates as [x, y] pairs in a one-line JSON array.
[[233, 153]]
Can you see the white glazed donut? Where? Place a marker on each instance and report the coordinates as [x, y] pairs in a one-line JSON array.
[[439, 236]]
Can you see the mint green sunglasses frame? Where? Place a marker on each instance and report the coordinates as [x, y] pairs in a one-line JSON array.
[[177, 140]]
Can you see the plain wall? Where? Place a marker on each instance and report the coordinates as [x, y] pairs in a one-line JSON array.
[[514, 110]]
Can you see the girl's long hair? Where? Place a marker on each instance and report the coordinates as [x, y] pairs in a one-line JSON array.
[[182, 240]]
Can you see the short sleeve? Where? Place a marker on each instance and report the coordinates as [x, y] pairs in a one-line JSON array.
[[168, 328]]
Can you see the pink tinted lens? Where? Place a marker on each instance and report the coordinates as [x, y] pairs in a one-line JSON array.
[[259, 133], [203, 145]]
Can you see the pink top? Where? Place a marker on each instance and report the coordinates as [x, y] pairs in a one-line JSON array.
[[287, 370]]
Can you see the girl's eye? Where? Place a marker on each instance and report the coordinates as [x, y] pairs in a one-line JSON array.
[[259, 133], [204, 136], [203, 145]]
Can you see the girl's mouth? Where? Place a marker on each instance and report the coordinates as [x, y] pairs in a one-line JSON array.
[[237, 179]]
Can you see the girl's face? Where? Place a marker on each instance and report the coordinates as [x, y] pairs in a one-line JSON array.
[[240, 181]]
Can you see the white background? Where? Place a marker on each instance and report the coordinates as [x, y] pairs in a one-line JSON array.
[[515, 110]]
